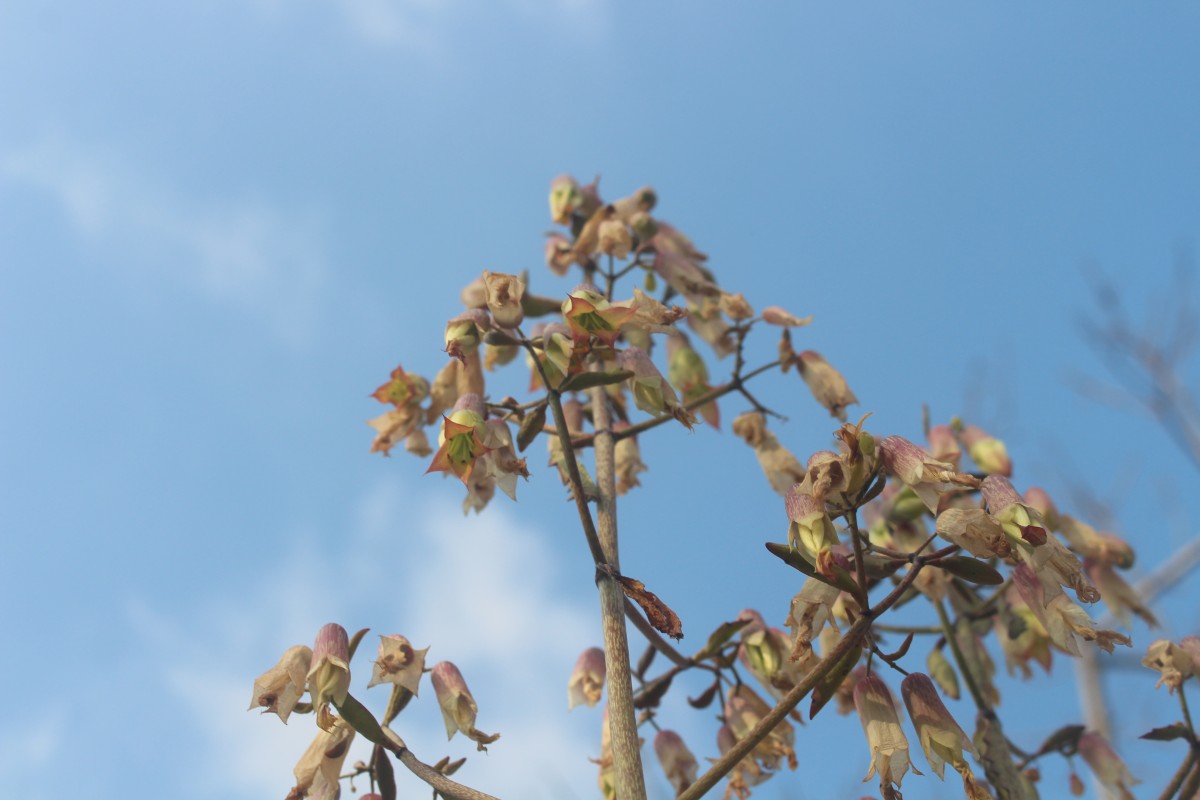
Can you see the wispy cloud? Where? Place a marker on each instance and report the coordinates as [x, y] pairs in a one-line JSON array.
[[27, 751], [241, 253], [481, 592]]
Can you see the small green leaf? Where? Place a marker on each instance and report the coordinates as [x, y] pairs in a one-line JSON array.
[[531, 426], [827, 688], [355, 639], [720, 636], [969, 569], [586, 380]]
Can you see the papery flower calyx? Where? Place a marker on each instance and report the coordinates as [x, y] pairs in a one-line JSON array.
[[398, 663], [279, 689], [941, 737], [885, 737], [461, 442], [318, 769], [827, 385], [504, 293]]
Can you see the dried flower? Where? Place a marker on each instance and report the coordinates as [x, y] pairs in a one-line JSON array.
[[827, 385], [651, 392], [676, 759], [329, 677], [774, 315], [615, 238], [504, 293], [940, 736], [1174, 664], [744, 709], [587, 679], [318, 769], [783, 470], [458, 706], [885, 737], [398, 663], [928, 477], [559, 257], [1108, 767], [628, 460], [279, 689]]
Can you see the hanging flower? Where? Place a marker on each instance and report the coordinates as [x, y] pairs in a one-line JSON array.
[[940, 736], [587, 679], [279, 689], [676, 759], [1110, 770], [457, 704], [318, 769], [885, 737], [329, 675], [827, 385]]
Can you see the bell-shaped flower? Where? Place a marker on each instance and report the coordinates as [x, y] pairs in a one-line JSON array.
[[827, 385], [744, 709], [329, 676], [940, 736], [811, 530], [399, 663], [457, 704], [651, 316], [651, 392], [504, 293], [1062, 617], [1108, 767], [988, 452], [279, 689], [614, 238], [687, 372], [943, 445], [745, 773], [318, 770], [811, 609], [928, 477], [1121, 598], [1022, 636], [628, 460], [461, 443], [974, 530], [587, 679], [766, 653], [677, 761], [885, 737]]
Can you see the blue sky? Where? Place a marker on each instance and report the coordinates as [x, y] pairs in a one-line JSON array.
[[223, 223]]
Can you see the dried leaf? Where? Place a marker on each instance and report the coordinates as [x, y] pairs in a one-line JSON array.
[[661, 617], [1168, 733], [652, 694], [1065, 740], [900, 653], [645, 661], [706, 697]]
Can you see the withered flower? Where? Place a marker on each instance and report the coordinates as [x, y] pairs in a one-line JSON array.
[[885, 737], [398, 663], [676, 759], [279, 689], [587, 679], [457, 704], [504, 293], [827, 385]]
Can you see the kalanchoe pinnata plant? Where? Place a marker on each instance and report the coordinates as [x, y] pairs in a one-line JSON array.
[[875, 521]]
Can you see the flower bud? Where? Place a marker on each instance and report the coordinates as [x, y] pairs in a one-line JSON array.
[[457, 704], [503, 296], [587, 679], [735, 306], [278, 689], [464, 332], [329, 676], [398, 663], [676, 759]]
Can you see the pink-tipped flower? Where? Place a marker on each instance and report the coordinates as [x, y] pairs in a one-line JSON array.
[[329, 676], [988, 452], [827, 385], [1108, 767], [587, 679], [928, 477], [677, 761], [559, 257], [503, 296], [278, 689], [398, 663], [614, 238], [457, 704], [318, 769], [940, 736], [885, 737], [811, 529]]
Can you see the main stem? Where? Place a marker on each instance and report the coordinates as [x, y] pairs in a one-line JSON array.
[[622, 722]]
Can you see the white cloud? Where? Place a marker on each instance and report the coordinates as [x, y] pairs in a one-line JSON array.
[[242, 253], [481, 592], [27, 752]]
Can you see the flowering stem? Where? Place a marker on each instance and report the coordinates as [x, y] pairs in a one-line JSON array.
[[1187, 715], [622, 720], [860, 569], [722, 766]]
